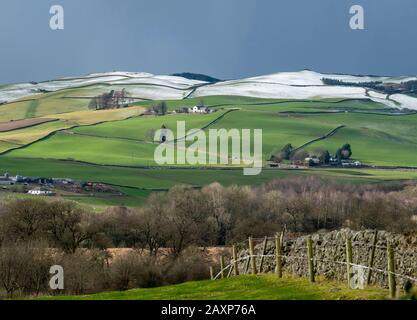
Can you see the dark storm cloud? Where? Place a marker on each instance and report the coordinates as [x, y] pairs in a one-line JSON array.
[[222, 38]]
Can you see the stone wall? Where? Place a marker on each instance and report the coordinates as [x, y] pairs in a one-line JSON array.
[[330, 254]]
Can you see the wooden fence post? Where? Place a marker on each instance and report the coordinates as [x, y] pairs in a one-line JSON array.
[[252, 255], [349, 260], [222, 267], [310, 255], [372, 258], [211, 273], [263, 253], [229, 273], [391, 270], [235, 263], [247, 265], [278, 255]]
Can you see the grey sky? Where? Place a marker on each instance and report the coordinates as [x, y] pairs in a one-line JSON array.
[[222, 38]]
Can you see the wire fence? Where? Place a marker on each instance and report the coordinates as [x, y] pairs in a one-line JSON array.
[[246, 258]]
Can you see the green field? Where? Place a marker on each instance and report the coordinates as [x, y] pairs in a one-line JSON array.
[[265, 287], [375, 139], [137, 183]]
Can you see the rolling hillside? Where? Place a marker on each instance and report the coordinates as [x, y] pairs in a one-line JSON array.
[[377, 138], [115, 146]]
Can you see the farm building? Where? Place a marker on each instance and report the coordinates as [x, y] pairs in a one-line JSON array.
[[351, 163], [195, 109], [311, 161], [182, 110], [5, 179]]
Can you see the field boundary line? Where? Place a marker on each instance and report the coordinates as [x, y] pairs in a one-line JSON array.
[[326, 136]]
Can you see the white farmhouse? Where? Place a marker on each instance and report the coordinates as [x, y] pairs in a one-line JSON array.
[[199, 109]]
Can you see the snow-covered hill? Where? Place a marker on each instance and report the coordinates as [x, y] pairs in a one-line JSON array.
[[309, 85], [304, 84], [152, 87]]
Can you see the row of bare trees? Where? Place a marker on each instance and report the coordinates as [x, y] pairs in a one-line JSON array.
[[25, 270], [214, 215]]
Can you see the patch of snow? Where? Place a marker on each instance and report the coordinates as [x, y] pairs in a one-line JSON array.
[[115, 73], [66, 84], [312, 78], [405, 101], [175, 82], [359, 79], [300, 78], [378, 95], [400, 79], [279, 91], [156, 93], [382, 98], [180, 80]]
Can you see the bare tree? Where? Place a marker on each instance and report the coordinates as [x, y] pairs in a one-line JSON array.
[[153, 225], [185, 222], [218, 217], [24, 268], [68, 225], [23, 220]]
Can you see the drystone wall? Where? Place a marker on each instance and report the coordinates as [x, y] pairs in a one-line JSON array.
[[330, 255]]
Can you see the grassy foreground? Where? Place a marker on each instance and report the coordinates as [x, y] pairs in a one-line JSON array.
[[264, 287]]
